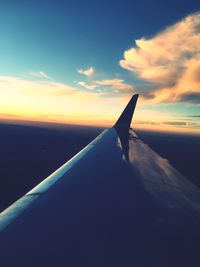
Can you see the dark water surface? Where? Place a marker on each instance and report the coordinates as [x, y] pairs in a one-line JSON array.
[[30, 153]]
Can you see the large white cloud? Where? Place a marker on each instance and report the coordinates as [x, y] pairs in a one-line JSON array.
[[170, 60]]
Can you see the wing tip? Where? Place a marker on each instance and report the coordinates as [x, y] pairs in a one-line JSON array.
[[125, 118]]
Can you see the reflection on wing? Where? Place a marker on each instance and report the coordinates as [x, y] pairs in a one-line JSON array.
[[116, 203]]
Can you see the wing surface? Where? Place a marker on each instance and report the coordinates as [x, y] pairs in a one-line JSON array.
[[116, 203]]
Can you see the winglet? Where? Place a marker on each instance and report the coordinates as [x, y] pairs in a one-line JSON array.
[[125, 119]]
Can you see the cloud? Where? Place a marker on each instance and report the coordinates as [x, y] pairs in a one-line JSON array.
[[193, 98], [167, 125], [87, 72], [56, 102], [87, 85], [180, 123], [39, 74], [194, 116], [108, 86], [39, 88], [170, 61], [116, 84]]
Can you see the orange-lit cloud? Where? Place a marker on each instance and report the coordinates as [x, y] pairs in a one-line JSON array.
[[116, 84], [112, 85], [170, 61], [55, 101], [87, 72], [50, 101]]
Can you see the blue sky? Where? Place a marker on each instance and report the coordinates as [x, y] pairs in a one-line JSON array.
[[60, 38]]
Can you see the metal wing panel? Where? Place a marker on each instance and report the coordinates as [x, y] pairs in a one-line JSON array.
[[116, 203], [105, 210]]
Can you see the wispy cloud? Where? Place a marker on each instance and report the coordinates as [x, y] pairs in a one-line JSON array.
[[194, 116], [179, 123], [183, 126], [54, 101], [170, 61], [108, 86], [87, 72], [39, 74], [59, 102], [116, 84], [87, 85]]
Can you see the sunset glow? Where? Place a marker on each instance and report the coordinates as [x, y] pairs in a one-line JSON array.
[[52, 85]]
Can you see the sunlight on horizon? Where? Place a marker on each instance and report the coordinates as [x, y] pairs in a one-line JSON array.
[[92, 87]]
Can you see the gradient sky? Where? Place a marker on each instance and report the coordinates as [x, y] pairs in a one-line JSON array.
[[80, 61]]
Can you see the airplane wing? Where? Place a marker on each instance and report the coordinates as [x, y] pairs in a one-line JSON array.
[[116, 203]]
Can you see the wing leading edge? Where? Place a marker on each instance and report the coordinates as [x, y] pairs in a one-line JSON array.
[[116, 203]]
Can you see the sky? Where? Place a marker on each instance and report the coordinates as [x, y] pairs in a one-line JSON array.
[[79, 62]]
